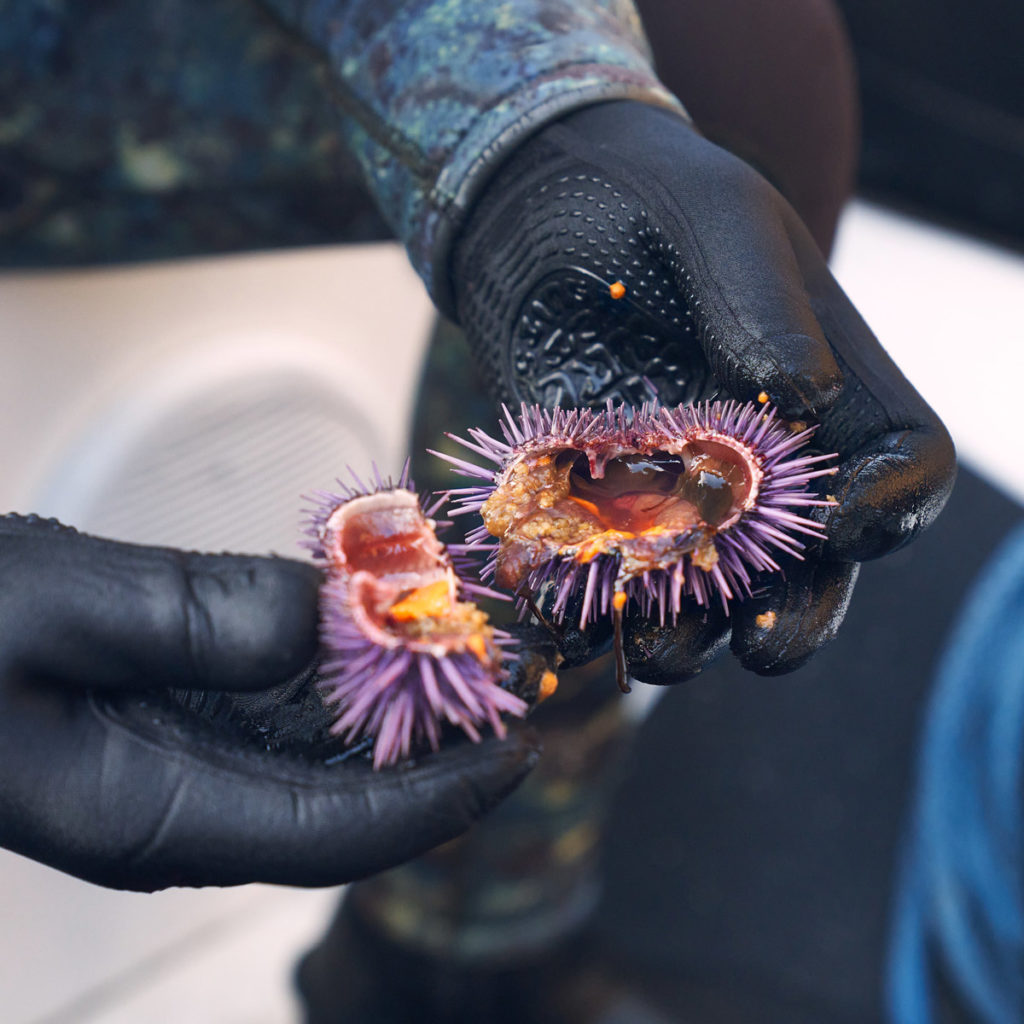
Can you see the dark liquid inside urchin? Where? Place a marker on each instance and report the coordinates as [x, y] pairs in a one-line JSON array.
[[709, 482]]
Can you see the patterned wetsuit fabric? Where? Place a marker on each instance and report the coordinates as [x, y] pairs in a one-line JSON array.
[[151, 130], [163, 129]]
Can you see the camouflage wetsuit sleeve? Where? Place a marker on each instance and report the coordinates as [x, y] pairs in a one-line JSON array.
[[436, 92]]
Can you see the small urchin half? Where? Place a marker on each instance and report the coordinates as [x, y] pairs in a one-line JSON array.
[[652, 505], [404, 651]]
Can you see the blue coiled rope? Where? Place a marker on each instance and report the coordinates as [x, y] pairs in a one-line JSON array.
[[959, 905]]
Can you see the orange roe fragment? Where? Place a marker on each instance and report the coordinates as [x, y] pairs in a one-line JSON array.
[[431, 601], [619, 600], [599, 544], [763, 397], [617, 290], [588, 505], [548, 685], [476, 644]]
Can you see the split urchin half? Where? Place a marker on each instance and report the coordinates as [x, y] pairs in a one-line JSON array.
[[404, 651], [651, 505]]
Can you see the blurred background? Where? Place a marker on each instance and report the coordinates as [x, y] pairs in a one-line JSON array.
[[192, 402]]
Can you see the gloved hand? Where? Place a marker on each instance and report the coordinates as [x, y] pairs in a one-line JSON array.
[[103, 777], [725, 293]]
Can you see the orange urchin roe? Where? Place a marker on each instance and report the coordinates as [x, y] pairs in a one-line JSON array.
[[599, 544], [766, 620], [432, 614], [617, 290], [478, 646], [548, 685], [762, 397], [432, 601], [588, 505]]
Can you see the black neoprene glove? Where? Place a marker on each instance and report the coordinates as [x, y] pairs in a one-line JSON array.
[[102, 776], [725, 293]]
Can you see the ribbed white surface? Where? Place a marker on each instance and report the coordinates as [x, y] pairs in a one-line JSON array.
[[222, 469], [193, 403]]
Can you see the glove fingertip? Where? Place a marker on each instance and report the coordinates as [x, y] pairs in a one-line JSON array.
[[769, 661], [890, 492], [664, 655], [780, 632], [513, 758], [471, 779], [799, 375]]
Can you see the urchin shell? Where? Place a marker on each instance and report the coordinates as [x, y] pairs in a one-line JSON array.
[[739, 460], [404, 650]]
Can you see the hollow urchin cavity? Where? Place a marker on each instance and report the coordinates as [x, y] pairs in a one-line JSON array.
[[385, 534], [704, 484], [645, 504]]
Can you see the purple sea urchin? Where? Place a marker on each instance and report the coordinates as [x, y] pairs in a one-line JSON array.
[[404, 651], [649, 505]]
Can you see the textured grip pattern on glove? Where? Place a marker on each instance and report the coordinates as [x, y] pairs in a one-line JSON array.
[[571, 342]]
